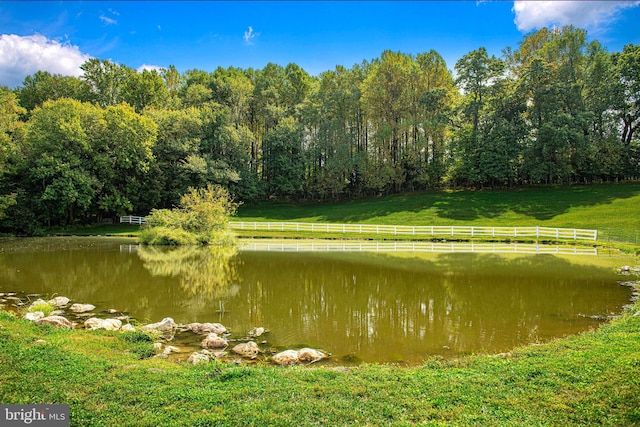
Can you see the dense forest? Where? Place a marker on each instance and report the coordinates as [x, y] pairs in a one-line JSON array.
[[556, 110]]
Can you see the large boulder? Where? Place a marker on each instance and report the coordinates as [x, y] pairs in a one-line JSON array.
[[310, 355], [207, 328], [248, 349], [57, 321], [287, 357], [166, 327], [59, 301], [108, 324], [198, 357], [82, 308], [214, 341], [34, 316]]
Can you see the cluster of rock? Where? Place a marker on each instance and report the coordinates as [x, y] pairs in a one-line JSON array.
[[57, 319], [214, 343]]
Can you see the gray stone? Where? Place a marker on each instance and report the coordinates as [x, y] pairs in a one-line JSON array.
[[207, 328], [57, 321], [214, 341], [287, 357], [82, 308], [59, 301], [108, 324], [310, 355], [171, 349], [256, 332], [198, 357], [249, 349], [33, 316], [166, 327]]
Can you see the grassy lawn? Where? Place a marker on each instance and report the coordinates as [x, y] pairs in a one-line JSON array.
[[594, 207], [588, 379]]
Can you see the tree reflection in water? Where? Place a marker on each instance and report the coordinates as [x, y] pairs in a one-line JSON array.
[[209, 272]]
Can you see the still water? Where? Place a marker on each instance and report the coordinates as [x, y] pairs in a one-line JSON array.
[[373, 307]]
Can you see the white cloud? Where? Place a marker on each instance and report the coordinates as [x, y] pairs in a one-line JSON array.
[[592, 15], [21, 56], [107, 20], [250, 35], [147, 67]]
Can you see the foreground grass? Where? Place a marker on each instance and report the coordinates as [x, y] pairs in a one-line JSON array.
[[588, 379]]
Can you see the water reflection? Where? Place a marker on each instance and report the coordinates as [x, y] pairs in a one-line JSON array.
[[379, 307], [207, 271]]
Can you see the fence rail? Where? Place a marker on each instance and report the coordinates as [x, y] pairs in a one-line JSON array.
[[404, 230], [431, 247], [433, 231], [132, 220]]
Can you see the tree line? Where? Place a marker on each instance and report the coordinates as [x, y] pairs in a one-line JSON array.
[[556, 110]]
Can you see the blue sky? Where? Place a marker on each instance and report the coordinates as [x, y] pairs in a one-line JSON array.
[[317, 35]]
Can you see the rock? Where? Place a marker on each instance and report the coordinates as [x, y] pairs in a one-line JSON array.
[[40, 342], [57, 321], [82, 308], [256, 332], [59, 301], [108, 324], [249, 349], [287, 357], [197, 357], [166, 327], [207, 328], [171, 349], [56, 313], [112, 311], [637, 314], [310, 355], [127, 328], [33, 316], [112, 324], [157, 346], [214, 341], [93, 323], [215, 354]]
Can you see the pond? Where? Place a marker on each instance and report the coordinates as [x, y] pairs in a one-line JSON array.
[[386, 306]]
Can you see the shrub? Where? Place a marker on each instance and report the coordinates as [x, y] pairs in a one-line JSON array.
[[203, 217]]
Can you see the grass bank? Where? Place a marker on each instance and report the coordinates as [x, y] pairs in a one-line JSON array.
[[606, 206], [588, 379]]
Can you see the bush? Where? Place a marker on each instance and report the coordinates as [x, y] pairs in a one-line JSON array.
[[166, 236], [203, 217]]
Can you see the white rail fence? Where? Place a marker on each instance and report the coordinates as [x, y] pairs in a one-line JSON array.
[[132, 220], [433, 231], [404, 230], [425, 247]]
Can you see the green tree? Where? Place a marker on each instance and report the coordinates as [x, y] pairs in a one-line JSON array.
[[283, 159], [146, 89], [122, 156], [44, 86], [58, 167], [627, 69], [107, 81]]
